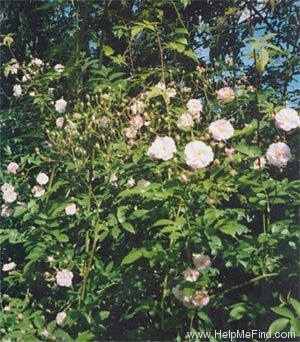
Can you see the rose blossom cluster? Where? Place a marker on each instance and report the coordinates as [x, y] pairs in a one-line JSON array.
[[137, 121], [8, 193], [38, 190], [199, 298]]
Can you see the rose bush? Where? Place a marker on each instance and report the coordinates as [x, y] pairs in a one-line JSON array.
[[139, 203]]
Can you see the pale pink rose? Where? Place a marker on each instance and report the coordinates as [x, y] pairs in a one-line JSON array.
[[12, 168], [190, 274], [287, 119], [71, 209], [228, 61], [278, 154], [200, 299], [137, 121], [6, 211], [185, 122], [6, 308], [6, 187], [198, 154], [226, 93], [162, 148], [9, 267], [130, 182], [221, 129], [59, 68], [38, 62], [50, 259], [9, 196], [137, 107], [60, 318], [38, 191], [229, 151], [143, 182], [170, 92], [64, 278], [60, 105], [42, 178], [194, 106], [60, 121], [233, 172], [130, 132], [17, 90], [201, 262], [259, 163]]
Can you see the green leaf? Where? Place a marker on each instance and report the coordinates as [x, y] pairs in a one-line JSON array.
[[136, 30], [191, 54], [278, 325], [296, 305], [283, 311], [108, 51], [127, 226], [104, 314], [295, 323], [19, 211], [134, 255]]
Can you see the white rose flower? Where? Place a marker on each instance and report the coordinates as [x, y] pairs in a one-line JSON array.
[[60, 121], [14, 68], [198, 155], [221, 129], [287, 119], [194, 106], [103, 121], [190, 274], [185, 122], [25, 78], [60, 318], [137, 121], [171, 92], [6, 187], [130, 132], [143, 182], [225, 94], [259, 163], [38, 191], [42, 178], [64, 278], [201, 262], [12, 168], [71, 209], [9, 267], [59, 68], [131, 182], [38, 62], [278, 154], [137, 107], [6, 211], [17, 90], [162, 148], [60, 105], [9, 196]]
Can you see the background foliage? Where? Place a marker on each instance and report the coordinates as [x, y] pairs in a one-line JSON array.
[[128, 245]]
